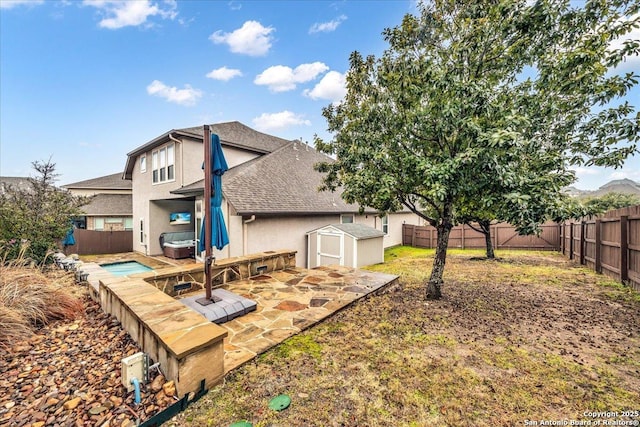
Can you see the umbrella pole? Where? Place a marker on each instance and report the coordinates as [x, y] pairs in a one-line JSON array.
[[207, 216]]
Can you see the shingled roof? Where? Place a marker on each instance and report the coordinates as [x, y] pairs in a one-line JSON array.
[[113, 181], [18, 182], [109, 205], [283, 182], [233, 134], [238, 135]]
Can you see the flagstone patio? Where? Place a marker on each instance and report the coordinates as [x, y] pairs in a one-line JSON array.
[[290, 301]]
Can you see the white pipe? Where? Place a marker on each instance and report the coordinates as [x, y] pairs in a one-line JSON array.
[[171, 137], [245, 234]]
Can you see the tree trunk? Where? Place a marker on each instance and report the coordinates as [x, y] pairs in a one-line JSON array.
[[486, 230], [435, 281]]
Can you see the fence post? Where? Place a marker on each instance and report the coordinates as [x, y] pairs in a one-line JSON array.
[[571, 254], [560, 239], [462, 237], [598, 247], [582, 242], [624, 249], [431, 238]]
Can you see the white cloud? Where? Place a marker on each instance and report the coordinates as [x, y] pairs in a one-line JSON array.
[[333, 87], [281, 120], [281, 78], [223, 73], [121, 13], [234, 5], [8, 4], [186, 96], [629, 174], [632, 63], [251, 39], [582, 171], [327, 27]]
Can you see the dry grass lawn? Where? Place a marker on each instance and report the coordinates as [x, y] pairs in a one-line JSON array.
[[530, 336]]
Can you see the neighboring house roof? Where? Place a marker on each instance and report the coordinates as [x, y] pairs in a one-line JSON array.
[[109, 205], [113, 181], [19, 182], [233, 134], [282, 182], [358, 231]]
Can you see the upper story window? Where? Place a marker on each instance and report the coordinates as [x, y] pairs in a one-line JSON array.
[[143, 163], [163, 163], [346, 219], [385, 224]]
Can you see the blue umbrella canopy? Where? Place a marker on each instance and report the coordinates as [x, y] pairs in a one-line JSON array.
[[69, 240], [219, 235]]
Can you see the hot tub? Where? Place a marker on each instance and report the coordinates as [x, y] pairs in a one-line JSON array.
[[179, 249]]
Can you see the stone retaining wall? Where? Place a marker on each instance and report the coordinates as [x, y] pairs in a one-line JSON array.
[[188, 346]]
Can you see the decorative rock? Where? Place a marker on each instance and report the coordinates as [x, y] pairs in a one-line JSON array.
[[157, 383], [72, 404], [169, 388], [97, 410]]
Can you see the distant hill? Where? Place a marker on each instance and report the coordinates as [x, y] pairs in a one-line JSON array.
[[625, 186]]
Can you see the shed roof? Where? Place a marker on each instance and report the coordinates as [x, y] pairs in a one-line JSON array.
[[358, 231]]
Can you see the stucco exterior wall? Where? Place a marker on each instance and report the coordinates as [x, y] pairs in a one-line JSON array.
[[265, 234]]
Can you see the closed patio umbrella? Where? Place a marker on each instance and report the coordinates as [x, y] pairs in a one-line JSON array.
[[219, 235]]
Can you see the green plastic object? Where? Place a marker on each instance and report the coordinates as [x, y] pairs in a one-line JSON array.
[[241, 424], [279, 403]]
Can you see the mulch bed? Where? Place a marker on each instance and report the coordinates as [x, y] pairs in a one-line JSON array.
[[68, 374]]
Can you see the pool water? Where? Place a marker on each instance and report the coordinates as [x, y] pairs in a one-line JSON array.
[[125, 268]]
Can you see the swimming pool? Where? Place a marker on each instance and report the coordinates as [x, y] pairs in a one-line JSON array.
[[125, 268]]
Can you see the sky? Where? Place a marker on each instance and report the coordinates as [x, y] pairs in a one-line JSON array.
[[85, 82]]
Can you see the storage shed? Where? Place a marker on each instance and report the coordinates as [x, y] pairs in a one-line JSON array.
[[351, 245]]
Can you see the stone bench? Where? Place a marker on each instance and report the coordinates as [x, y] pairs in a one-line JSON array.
[[188, 347]]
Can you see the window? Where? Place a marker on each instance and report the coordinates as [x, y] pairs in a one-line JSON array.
[[142, 230], [163, 164], [112, 220], [170, 163], [385, 224], [154, 163], [143, 163], [98, 224], [346, 219], [128, 224]]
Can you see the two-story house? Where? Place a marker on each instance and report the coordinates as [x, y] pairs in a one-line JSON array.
[[270, 192]]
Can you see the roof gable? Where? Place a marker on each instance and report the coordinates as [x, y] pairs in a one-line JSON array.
[[113, 181], [234, 134]]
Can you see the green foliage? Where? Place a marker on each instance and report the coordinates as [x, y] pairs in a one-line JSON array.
[[481, 108], [36, 218], [609, 201]]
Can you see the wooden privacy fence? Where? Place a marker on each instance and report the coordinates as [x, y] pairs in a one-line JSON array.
[[609, 244], [91, 242], [503, 236]]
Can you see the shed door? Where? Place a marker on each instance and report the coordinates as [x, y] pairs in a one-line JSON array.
[[330, 248]]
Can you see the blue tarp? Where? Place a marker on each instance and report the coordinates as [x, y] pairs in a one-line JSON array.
[[219, 235]]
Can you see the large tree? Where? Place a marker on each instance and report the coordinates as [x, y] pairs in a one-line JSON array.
[[38, 215], [474, 93]]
